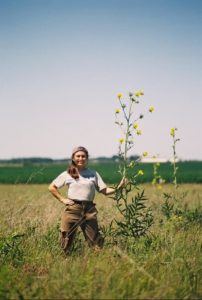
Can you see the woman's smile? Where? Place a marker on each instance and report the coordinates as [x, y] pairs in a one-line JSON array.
[[80, 158]]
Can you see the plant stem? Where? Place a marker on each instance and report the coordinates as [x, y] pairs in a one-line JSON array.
[[174, 163], [126, 139]]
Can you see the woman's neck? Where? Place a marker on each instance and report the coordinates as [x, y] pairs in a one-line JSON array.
[[81, 168]]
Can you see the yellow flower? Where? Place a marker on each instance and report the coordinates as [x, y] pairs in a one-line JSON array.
[[139, 132], [120, 95], [137, 94], [151, 109], [121, 141], [131, 164], [118, 111], [140, 172], [135, 125], [145, 153], [172, 131], [177, 218]]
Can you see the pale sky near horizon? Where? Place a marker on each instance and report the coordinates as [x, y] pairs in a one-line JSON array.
[[62, 64]]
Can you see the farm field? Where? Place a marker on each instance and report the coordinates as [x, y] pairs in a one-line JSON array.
[[188, 172], [166, 264]]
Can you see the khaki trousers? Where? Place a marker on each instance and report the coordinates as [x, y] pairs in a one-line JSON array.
[[83, 215]]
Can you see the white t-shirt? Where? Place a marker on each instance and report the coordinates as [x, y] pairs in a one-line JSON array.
[[83, 188]]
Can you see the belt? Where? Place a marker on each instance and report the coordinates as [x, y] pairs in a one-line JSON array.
[[82, 202]]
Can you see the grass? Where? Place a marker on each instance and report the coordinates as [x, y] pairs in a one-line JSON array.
[[164, 265], [189, 172]]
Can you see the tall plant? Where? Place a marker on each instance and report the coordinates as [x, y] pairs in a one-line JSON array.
[[136, 217], [172, 201], [174, 158], [157, 178]]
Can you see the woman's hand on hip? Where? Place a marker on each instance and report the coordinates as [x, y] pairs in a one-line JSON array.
[[67, 201]]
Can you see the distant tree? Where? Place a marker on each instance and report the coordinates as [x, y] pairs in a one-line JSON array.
[[134, 157], [115, 157]]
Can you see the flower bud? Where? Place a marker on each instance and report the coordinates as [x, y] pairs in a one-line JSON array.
[[139, 132], [121, 141], [151, 109], [172, 131], [140, 172], [120, 95]]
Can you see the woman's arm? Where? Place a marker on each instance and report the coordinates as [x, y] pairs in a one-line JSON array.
[[54, 191], [109, 191]]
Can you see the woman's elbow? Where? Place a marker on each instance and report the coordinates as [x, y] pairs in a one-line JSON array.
[[104, 191], [51, 188]]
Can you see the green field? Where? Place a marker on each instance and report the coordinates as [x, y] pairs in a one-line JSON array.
[[166, 264], [188, 172]]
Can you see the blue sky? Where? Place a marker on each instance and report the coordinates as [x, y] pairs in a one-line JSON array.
[[63, 63]]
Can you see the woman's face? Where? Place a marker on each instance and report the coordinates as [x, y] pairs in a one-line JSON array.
[[80, 159]]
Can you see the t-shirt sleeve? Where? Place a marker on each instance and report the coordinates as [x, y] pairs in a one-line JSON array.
[[100, 185], [61, 180]]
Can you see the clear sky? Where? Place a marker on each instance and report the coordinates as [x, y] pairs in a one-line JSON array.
[[63, 62]]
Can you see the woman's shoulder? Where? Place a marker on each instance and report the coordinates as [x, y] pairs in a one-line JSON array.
[[64, 174], [87, 172], [91, 171]]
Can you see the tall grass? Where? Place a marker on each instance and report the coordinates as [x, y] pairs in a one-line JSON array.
[[164, 265]]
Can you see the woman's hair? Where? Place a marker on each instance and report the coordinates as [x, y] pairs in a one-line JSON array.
[[72, 169]]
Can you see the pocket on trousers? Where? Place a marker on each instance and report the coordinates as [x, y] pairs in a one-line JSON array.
[[92, 213], [72, 207]]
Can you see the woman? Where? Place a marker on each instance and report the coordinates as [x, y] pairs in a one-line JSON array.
[[80, 209]]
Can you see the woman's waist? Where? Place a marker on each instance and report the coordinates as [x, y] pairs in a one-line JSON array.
[[81, 201], [81, 195]]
